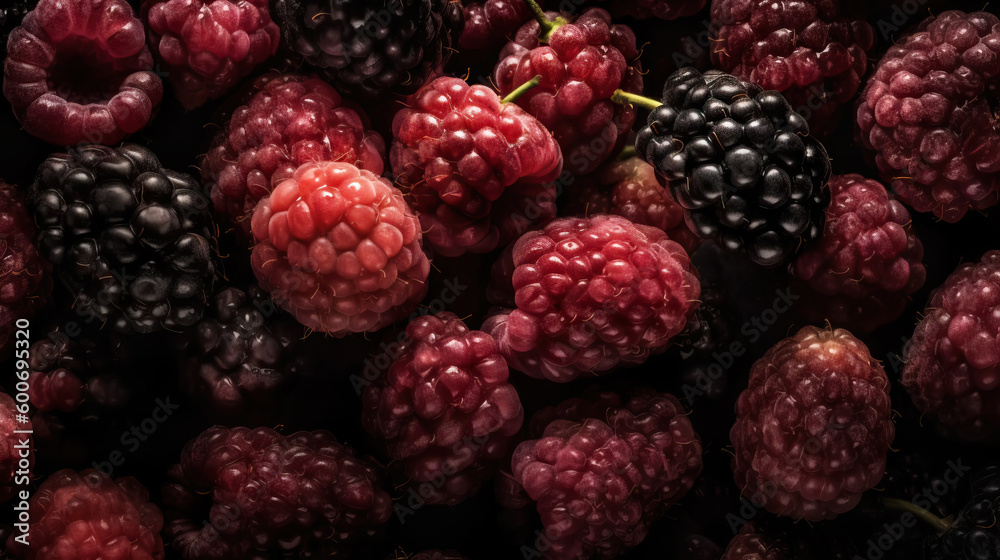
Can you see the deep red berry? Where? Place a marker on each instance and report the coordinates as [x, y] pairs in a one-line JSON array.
[[581, 64], [25, 280], [208, 46], [339, 249], [814, 427], [477, 171], [750, 545], [809, 50], [12, 448], [265, 495], [88, 516], [79, 71], [491, 23], [629, 188], [444, 410], [927, 113], [600, 483], [867, 262], [592, 294], [290, 120], [952, 366]]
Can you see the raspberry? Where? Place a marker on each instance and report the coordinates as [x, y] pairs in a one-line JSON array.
[[581, 63], [813, 428], [133, 241], [66, 371], [208, 46], [489, 24], [974, 534], [750, 545], [290, 120], [370, 48], [444, 409], [953, 360], [592, 294], [663, 9], [629, 188], [927, 113], [13, 13], [867, 263], [88, 516], [740, 161], [599, 486], [79, 71], [10, 447], [243, 355], [475, 169], [808, 50], [339, 249], [267, 495], [26, 280]]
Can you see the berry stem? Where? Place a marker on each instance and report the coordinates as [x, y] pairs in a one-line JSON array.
[[627, 153], [626, 98], [512, 96], [548, 26], [902, 505]]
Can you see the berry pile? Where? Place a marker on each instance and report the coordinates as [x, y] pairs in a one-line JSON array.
[[494, 279]]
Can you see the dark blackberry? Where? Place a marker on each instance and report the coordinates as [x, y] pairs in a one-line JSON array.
[[241, 358], [133, 242], [975, 534], [710, 331], [741, 163], [372, 47]]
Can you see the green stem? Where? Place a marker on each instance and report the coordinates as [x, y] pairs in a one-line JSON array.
[[627, 153], [548, 26], [626, 98], [512, 96], [902, 505]]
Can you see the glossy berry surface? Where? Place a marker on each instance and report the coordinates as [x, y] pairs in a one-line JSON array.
[[953, 360], [476, 171], [444, 409], [207, 46], [581, 64], [491, 23], [813, 428], [593, 294], [927, 114], [79, 71], [338, 248], [973, 535], [751, 545], [866, 264]]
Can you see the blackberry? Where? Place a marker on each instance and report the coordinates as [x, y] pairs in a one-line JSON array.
[[133, 242], [370, 48], [974, 535], [741, 163]]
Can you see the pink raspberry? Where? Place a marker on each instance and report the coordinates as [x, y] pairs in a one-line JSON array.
[[582, 61], [25, 280], [592, 294], [208, 46], [629, 188], [444, 410], [78, 71], [475, 169], [601, 482], [814, 426], [290, 120], [927, 113], [952, 366], [88, 516], [339, 249], [868, 261]]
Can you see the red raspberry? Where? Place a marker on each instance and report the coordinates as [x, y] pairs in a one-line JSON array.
[[927, 113], [750, 545], [476, 170], [599, 486], [26, 282], [208, 46], [266, 495], [78, 71], [10, 447], [444, 409], [592, 294], [629, 188], [806, 49], [88, 516], [290, 120], [581, 63], [813, 428], [867, 263], [339, 249], [489, 24], [663, 9], [953, 360]]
